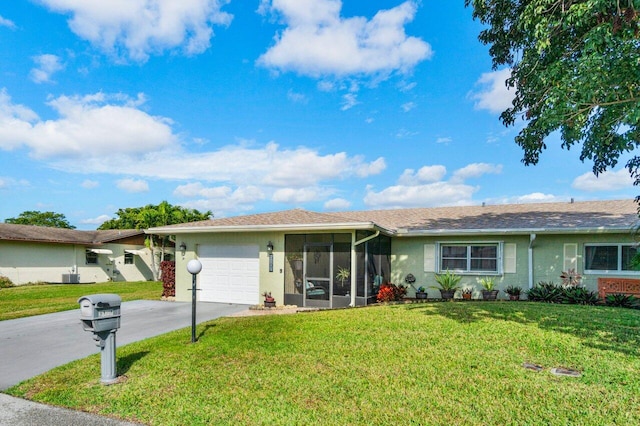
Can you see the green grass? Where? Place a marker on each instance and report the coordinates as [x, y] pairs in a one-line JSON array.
[[429, 364], [24, 301]]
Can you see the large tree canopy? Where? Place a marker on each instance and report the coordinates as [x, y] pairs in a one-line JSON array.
[[151, 216], [37, 218], [575, 67]]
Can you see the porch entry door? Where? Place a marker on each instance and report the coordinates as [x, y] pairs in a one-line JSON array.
[[318, 270]]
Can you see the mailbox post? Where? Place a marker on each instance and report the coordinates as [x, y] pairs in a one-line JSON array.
[[100, 314]]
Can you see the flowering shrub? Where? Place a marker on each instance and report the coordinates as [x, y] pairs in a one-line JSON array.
[[168, 269], [390, 292]]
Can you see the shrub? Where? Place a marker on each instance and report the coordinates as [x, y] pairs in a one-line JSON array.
[[545, 292], [390, 292], [168, 271], [622, 301], [5, 282], [579, 296]]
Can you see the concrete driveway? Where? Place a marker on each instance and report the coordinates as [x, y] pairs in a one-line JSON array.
[[34, 345]]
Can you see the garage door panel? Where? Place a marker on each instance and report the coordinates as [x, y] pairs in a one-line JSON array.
[[230, 274]]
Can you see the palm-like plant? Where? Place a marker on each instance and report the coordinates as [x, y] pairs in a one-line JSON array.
[[448, 281]]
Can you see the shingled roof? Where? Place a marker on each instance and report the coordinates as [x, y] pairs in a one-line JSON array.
[[11, 232], [617, 215]]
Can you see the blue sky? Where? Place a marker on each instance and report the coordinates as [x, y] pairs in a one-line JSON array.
[[251, 106]]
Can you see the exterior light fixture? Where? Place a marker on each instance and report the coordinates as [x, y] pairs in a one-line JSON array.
[[183, 248], [194, 267], [270, 251]]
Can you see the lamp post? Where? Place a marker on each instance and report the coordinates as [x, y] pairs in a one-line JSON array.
[[194, 267]]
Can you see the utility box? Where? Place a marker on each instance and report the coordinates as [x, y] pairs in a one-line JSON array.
[[100, 312]]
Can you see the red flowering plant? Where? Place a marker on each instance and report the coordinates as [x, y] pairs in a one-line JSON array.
[[390, 292]]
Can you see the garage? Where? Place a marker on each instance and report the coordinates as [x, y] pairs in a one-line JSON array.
[[230, 274]]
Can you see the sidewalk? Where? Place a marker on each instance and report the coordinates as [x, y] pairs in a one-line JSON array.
[[34, 345]]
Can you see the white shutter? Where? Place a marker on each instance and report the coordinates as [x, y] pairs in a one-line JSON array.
[[510, 258], [429, 258], [570, 257]]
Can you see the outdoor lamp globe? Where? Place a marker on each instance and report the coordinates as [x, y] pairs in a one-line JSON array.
[[194, 266]]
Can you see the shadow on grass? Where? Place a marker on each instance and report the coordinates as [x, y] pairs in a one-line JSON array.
[[205, 329], [604, 328], [125, 363]]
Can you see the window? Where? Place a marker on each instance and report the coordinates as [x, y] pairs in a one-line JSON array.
[[480, 258], [128, 258], [91, 258], [608, 257]]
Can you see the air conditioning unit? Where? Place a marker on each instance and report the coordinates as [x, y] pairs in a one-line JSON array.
[[71, 278]]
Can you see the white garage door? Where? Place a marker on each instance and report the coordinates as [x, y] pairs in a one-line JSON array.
[[230, 274]]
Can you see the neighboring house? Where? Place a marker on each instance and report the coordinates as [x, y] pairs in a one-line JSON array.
[[56, 255], [297, 255]]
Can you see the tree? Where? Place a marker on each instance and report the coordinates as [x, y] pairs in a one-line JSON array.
[[151, 216], [575, 67], [32, 217]]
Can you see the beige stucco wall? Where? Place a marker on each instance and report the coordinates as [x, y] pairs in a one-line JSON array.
[[26, 262], [269, 281]]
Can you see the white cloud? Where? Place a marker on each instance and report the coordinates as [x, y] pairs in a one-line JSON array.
[[349, 100], [429, 195], [445, 140], [9, 182], [47, 65], [133, 185], [427, 187], [319, 42], [91, 126], [337, 204], [139, 28], [476, 170], [97, 220], [7, 23], [607, 181], [299, 195], [534, 197], [424, 175], [494, 95], [297, 98], [219, 199], [406, 107], [90, 184]]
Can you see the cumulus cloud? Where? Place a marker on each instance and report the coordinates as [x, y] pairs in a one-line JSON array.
[[7, 23], [132, 185], [476, 170], [427, 187], [337, 204], [494, 95], [108, 124], [139, 28], [318, 42], [424, 175], [47, 65], [219, 199], [607, 181]]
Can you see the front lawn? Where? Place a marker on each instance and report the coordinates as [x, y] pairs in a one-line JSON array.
[[24, 301], [430, 364]]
